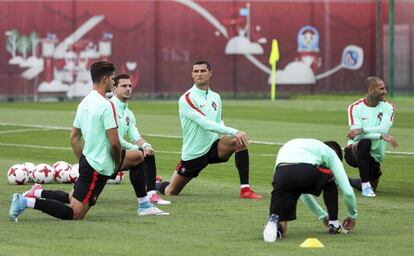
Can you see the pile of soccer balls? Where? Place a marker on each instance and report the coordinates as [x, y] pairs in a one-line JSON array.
[[60, 172]]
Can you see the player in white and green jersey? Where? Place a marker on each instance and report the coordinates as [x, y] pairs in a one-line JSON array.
[[370, 119], [206, 140], [142, 166], [306, 167], [99, 154]]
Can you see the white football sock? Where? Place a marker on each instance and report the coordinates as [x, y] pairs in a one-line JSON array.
[[143, 199], [244, 186], [335, 223], [31, 202], [38, 193], [365, 185]]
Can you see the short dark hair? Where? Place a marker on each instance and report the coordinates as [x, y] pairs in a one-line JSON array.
[[201, 62], [119, 77], [336, 147], [100, 69], [372, 81]]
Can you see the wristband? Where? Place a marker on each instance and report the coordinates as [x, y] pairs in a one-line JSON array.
[[145, 145]]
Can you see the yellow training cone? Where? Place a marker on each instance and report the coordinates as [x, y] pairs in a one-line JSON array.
[[312, 243]]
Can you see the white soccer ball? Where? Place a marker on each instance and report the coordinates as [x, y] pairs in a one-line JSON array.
[[30, 167], [43, 174], [17, 175], [118, 179], [61, 169], [73, 173]]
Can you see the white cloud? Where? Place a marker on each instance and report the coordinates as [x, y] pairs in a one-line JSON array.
[[295, 73], [242, 45]]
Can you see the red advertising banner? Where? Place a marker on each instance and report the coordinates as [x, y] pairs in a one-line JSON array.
[[48, 46]]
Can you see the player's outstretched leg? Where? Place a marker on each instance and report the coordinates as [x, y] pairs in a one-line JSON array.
[[17, 206], [37, 191]]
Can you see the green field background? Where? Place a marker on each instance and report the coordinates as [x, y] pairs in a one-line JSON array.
[[208, 218]]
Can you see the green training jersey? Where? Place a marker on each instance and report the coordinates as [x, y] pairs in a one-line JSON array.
[[200, 116], [95, 115], [315, 152], [126, 125], [375, 121]]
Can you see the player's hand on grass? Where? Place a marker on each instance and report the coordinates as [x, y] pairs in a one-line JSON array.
[[242, 138], [349, 223], [390, 139], [354, 132]]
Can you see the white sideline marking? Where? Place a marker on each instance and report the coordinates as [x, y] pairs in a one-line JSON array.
[[157, 151], [23, 130], [69, 149], [50, 127], [34, 146]]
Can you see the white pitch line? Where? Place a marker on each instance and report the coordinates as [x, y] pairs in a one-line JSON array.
[[23, 130], [51, 127], [68, 149], [158, 151], [34, 146], [173, 136]]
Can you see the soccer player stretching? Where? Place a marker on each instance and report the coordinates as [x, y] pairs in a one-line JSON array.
[[99, 156], [144, 174], [304, 167], [369, 119], [201, 123]]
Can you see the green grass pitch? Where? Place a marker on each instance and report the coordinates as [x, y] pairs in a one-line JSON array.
[[208, 218]]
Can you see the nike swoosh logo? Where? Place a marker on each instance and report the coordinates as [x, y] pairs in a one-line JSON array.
[[364, 118], [202, 105]]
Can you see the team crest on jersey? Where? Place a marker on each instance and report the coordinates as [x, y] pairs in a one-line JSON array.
[[214, 105], [127, 120], [379, 116]]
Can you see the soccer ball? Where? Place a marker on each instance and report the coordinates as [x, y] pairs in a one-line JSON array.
[[29, 167], [117, 180], [61, 169], [17, 175], [43, 174], [73, 173]]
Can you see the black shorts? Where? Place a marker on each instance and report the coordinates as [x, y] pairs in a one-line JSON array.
[[290, 181], [90, 183], [123, 153], [193, 167]]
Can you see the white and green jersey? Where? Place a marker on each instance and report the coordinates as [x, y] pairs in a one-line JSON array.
[[126, 125], [315, 152], [95, 115], [200, 116], [375, 121]]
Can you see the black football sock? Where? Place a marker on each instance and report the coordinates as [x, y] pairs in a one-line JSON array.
[[364, 158], [137, 178], [54, 208], [160, 186], [56, 195], [242, 165], [330, 197], [150, 172]]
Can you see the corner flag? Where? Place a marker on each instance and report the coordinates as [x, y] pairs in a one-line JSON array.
[[274, 54], [273, 58]]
